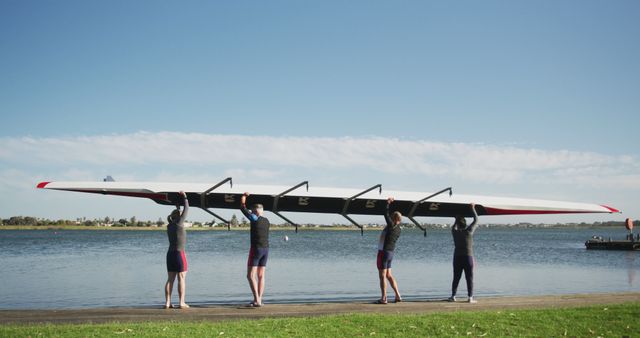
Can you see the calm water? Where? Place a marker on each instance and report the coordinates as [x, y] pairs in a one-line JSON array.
[[76, 269]]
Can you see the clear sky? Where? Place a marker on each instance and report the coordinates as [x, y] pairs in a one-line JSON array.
[[533, 99]]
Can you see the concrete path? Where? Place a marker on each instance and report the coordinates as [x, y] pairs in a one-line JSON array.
[[227, 312]]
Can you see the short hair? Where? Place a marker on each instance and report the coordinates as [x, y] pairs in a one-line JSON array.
[[397, 214], [257, 206]]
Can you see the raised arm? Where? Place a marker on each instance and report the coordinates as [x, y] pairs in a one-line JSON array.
[[472, 227], [243, 206], [185, 209], [387, 218], [455, 221]]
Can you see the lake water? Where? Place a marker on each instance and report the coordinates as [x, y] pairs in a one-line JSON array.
[[46, 269]]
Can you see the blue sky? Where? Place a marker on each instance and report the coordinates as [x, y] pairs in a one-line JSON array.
[[531, 99]]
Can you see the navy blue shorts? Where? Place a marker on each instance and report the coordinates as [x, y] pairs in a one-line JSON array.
[[176, 261], [258, 256], [384, 259]]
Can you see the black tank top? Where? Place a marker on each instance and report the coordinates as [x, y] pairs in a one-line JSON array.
[[463, 241], [391, 237], [177, 236], [260, 233]]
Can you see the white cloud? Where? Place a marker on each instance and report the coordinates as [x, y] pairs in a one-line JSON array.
[[13, 179], [183, 155], [340, 161]]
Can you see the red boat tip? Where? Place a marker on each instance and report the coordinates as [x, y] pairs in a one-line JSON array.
[[42, 185], [611, 209]]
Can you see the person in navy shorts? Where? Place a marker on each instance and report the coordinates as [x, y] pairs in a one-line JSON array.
[[386, 246], [259, 250], [176, 257]]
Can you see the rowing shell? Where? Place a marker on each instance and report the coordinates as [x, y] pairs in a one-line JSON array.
[[328, 200]]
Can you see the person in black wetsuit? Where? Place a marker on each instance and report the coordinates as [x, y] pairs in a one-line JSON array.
[[176, 257], [463, 259], [386, 246], [259, 251]]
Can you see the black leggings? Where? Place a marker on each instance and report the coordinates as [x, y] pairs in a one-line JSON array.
[[462, 263]]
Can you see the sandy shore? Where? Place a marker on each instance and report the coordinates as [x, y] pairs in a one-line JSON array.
[[226, 312]]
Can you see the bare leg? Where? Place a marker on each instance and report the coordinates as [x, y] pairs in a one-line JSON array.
[[251, 277], [383, 284], [182, 285], [261, 282], [168, 287], [394, 285]]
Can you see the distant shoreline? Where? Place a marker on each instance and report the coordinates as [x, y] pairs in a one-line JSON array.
[[133, 228], [301, 228]]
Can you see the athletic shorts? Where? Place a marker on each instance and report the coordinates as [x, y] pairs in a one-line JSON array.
[[176, 261], [258, 256], [384, 259]]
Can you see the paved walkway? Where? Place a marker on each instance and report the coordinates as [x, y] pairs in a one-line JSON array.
[[226, 312]]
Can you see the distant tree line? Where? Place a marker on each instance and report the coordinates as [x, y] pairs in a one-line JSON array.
[[107, 221], [32, 221], [242, 223]]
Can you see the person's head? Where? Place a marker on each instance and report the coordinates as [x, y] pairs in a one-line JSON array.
[[396, 217], [461, 222], [174, 216], [257, 209]]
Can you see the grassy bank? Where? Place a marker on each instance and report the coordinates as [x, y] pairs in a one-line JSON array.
[[599, 321]]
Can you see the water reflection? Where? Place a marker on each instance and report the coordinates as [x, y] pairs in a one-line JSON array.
[[630, 258]]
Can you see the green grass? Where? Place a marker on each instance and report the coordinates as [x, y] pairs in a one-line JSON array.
[[597, 321]]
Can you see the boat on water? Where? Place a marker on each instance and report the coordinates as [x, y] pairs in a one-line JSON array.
[[599, 243], [632, 242]]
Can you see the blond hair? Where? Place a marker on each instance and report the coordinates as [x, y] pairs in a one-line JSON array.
[[396, 216]]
